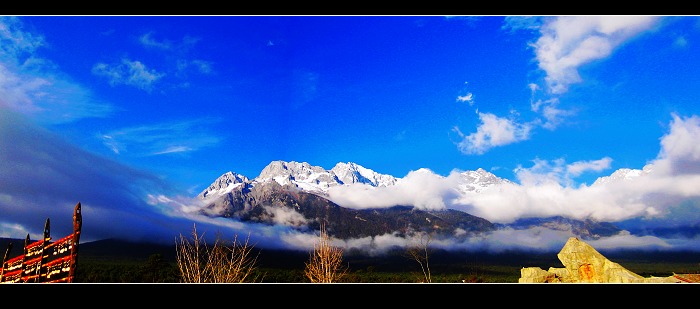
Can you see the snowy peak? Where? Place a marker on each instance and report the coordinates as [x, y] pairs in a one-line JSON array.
[[302, 175], [477, 181], [623, 174], [224, 184], [349, 173], [317, 180], [289, 170]]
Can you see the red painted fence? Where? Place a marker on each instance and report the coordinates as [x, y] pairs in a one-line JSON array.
[[44, 261]]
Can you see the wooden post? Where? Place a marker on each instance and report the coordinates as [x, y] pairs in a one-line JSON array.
[[4, 259], [27, 241], [47, 238], [77, 226]]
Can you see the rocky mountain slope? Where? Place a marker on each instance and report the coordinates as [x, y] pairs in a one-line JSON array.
[[296, 195]]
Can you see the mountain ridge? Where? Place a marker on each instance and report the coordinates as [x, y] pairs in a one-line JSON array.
[[295, 194]]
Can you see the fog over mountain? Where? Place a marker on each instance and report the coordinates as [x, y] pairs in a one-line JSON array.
[[657, 205]]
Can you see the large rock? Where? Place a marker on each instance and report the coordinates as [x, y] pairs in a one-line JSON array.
[[582, 263]]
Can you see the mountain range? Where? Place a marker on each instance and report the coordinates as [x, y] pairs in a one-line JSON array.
[[297, 195]]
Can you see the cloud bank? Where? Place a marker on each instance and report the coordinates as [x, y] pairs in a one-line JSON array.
[[43, 176], [661, 194], [546, 188], [47, 177]]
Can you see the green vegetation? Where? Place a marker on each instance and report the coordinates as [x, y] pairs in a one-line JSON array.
[[111, 261], [279, 266], [155, 269]]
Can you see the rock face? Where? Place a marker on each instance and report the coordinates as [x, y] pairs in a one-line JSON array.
[[583, 264], [586, 229], [273, 203]]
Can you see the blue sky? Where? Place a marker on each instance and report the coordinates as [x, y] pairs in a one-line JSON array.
[[169, 103]]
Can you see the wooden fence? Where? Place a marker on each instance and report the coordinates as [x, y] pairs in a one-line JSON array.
[[44, 261]]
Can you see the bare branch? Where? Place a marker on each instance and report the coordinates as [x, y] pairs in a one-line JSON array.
[[223, 263], [325, 263], [421, 254]]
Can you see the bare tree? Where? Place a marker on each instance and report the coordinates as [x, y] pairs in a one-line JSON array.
[[223, 263], [191, 257], [325, 263], [420, 252]]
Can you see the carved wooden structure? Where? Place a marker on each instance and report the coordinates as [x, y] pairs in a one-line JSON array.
[[44, 261]]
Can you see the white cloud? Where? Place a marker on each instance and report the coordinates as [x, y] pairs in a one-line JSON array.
[[536, 238], [680, 150], [16, 43], [198, 66], [132, 73], [187, 42], [34, 86], [284, 216], [468, 20], [665, 191], [567, 42], [533, 87], [554, 116], [666, 185], [421, 188], [660, 195], [44, 176], [627, 241], [577, 168], [138, 75], [148, 41], [542, 172], [111, 143], [160, 139], [174, 149], [493, 131], [176, 53], [19, 92], [12, 230], [469, 98], [513, 23], [557, 171]]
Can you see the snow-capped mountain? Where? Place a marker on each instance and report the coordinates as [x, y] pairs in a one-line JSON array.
[[348, 173], [302, 175], [317, 180], [623, 174], [296, 194], [479, 180], [223, 184]]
